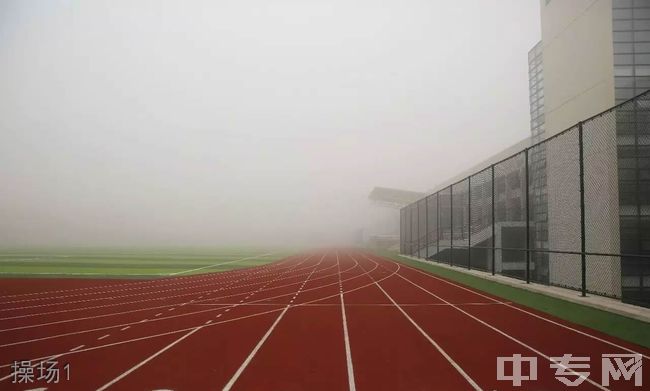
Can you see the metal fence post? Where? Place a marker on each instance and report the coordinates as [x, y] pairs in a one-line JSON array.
[[469, 222], [426, 227], [583, 247], [494, 239], [527, 223], [410, 242], [417, 222], [438, 225], [451, 224]]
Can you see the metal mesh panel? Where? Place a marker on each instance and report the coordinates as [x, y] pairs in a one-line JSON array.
[[402, 236], [414, 229], [407, 230], [422, 228], [606, 200], [481, 220], [558, 218], [432, 225], [510, 213], [444, 216], [460, 223], [540, 189]]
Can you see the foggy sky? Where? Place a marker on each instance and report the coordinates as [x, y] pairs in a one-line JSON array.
[[239, 122]]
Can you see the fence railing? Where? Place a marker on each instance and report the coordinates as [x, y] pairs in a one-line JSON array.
[[571, 211]]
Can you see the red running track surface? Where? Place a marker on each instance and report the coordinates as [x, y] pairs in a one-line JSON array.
[[328, 320]]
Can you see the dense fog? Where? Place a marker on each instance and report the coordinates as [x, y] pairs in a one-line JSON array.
[[245, 122]]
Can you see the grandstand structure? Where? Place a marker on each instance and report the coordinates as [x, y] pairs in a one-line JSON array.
[[382, 224]]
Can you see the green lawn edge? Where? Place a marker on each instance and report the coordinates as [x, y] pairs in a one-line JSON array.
[[135, 270], [619, 326]]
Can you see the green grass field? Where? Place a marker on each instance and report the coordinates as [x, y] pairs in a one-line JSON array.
[[131, 263], [628, 329]]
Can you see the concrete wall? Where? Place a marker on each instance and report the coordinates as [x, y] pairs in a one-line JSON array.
[[578, 83], [578, 60]]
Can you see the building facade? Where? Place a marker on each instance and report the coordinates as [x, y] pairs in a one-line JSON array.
[[596, 54], [571, 205]]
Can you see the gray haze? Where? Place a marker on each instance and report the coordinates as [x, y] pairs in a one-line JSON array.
[[237, 122]]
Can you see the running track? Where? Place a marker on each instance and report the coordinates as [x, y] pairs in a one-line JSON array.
[[336, 320]]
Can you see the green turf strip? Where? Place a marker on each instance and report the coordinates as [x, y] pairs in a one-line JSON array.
[[130, 263], [619, 326]]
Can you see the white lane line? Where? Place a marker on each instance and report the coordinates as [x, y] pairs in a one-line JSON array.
[[123, 375], [220, 263], [117, 304], [243, 366], [144, 284], [175, 316], [162, 351], [425, 335], [77, 348], [45, 358], [346, 336], [248, 359], [507, 304], [124, 328], [503, 333], [158, 314], [103, 336]]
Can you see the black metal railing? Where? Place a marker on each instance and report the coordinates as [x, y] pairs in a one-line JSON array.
[[572, 210]]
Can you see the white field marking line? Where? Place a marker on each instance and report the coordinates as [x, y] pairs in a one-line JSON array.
[[107, 327], [508, 304], [351, 305], [276, 278], [505, 334], [157, 283], [425, 335], [175, 316], [221, 263], [168, 317], [346, 335], [257, 347], [103, 336], [123, 375], [134, 302], [77, 349], [212, 279], [27, 274], [175, 280], [161, 351], [124, 328], [44, 358], [210, 282]]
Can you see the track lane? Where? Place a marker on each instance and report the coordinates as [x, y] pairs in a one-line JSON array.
[[388, 353], [308, 341], [203, 355], [132, 336], [500, 327], [16, 289], [191, 309]]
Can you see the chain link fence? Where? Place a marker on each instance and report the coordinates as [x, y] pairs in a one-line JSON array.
[[571, 211]]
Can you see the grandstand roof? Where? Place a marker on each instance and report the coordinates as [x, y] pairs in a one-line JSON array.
[[395, 198]]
